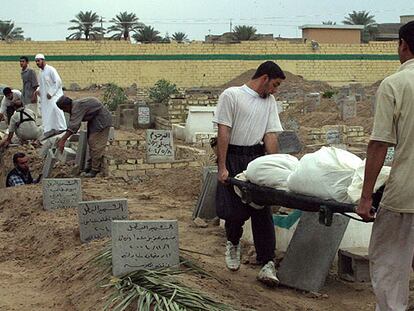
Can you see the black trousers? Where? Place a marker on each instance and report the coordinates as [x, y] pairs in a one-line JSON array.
[[230, 207]]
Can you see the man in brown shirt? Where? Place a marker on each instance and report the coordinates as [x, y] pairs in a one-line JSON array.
[[391, 248], [99, 119]]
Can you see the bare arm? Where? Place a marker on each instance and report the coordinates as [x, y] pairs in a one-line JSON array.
[[6, 141], [270, 142], [376, 153], [223, 140], [62, 141]]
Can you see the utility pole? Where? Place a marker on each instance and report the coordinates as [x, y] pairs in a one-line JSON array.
[[231, 25]]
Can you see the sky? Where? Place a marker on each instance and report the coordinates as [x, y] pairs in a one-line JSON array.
[[48, 20]]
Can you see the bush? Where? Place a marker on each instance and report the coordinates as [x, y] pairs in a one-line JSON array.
[[328, 94], [162, 90], [114, 95]]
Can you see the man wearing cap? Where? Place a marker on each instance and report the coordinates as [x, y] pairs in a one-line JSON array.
[[99, 119], [7, 104], [50, 89]]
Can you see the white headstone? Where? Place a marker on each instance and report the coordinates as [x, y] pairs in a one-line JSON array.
[[144, 117], [159, 146], [348, 108], [149, 245], [95, 217], [61, 193]]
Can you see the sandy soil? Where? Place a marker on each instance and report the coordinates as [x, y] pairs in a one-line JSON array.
[[43, 263]]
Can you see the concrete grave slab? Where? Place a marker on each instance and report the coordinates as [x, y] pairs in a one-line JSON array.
[[61, 193], [128, 119], [291, 124], [95, 217], [348, 108], [159, 146], [289, 142], [199, 119], [312, 101], [206, 203], [81, 151], [144, 245], [48, 164], [144, 116], [334, 136], [311, 252]]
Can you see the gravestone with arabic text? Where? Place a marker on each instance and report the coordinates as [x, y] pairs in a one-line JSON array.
[[291, 124], [312, 101], [140, 245], [95, 217], [61, 193], [333, 136], [159, 146], [144, 117]]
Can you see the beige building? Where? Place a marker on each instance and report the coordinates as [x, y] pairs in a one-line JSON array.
[[348, 34]]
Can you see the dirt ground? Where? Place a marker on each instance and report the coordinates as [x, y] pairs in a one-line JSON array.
[[43, 265]]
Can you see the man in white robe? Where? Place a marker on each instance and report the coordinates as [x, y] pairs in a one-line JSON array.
[[50, 90]]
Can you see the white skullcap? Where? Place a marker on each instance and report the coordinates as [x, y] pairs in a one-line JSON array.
[[39, 56]]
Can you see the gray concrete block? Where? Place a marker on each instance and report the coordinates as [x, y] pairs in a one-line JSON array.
[[95, 217], [48, 164], [206, 203], [311, 252], [128, 119], [353, 264], [81, 151], [61, 193], [140, 245]]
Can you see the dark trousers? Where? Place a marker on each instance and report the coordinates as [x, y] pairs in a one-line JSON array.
[[230, 207]]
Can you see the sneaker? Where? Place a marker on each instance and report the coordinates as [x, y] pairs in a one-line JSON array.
[[233, 256], [267, 274]]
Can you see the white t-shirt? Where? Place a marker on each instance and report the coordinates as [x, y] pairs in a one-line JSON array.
[[17, 96], [248, 115]]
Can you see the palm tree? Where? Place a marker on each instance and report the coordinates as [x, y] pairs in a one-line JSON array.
[[365, 19], [179, 36], [9, 32], [244, 32], [147, 35], [85, 25], [124, 23]]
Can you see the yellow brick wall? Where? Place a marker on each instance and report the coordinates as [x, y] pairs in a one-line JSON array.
[[194, 73]]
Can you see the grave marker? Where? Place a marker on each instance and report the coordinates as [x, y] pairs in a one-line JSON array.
[[144, 245], [49, 163], [312, 101], [333, 136], [95, 217], [159, 146], [311, 252], [81, 151], [61, 193], [348, 108], [289, 142], [128, 118], [144, 118], [291, 124]]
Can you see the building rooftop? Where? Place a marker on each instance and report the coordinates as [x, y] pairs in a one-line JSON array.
[[322, 26]]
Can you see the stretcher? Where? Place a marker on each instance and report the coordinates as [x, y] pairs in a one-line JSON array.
[[267, 196]]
